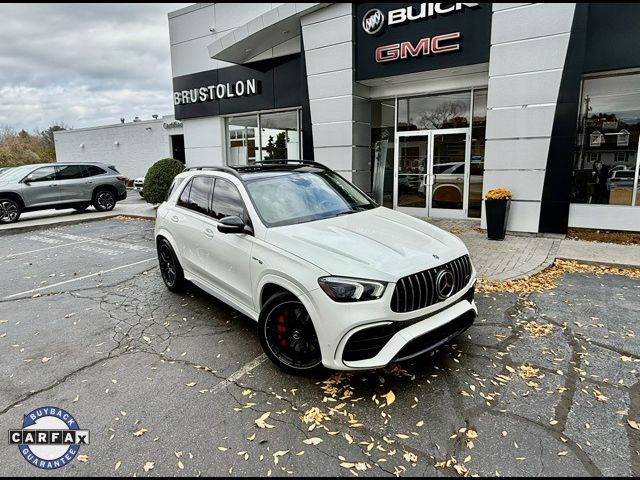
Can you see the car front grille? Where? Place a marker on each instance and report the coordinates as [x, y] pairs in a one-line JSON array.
[[419, 290]]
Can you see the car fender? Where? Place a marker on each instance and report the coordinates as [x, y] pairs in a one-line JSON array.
[[277, 278], [163, 232]]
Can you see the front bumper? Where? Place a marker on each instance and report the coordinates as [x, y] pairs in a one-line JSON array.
[[383, 335]]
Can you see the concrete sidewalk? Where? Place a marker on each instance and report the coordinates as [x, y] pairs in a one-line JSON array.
[[522, 255]]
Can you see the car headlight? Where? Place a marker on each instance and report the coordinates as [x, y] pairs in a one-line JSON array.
[[342, 289]]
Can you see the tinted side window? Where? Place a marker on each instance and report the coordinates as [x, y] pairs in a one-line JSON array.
[[93, 170], [226, 200], [199, 195], [44, 174], [70, 172], [183, 201], [174, 186]]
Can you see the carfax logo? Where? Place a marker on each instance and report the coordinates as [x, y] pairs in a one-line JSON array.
[[50, 438]]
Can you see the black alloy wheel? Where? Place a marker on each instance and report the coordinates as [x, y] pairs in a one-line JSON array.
[[288, 336], [170, 268]]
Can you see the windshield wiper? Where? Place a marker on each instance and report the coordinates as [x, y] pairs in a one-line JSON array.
[[346, 212]]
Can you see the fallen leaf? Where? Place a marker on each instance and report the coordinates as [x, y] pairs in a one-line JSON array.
[[312, 441], [83, 458], [633, 424], [192, 384], [140, 432], [45, 359], [149, 466], [180, 465], [389, 397], [472, 434], [117, 467], [260, 422]]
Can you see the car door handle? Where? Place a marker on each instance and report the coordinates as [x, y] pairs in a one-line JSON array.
[[175, 219], [208, 233]]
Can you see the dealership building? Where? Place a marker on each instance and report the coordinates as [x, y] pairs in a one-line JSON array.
[[425, 105], [131, 146]]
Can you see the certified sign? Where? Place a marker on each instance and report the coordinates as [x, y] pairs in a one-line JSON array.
[[50, 438]]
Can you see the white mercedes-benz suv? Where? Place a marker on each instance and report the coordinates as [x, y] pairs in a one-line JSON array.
[[331, 278]]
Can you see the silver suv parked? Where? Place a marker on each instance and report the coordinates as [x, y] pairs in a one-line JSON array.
[[59, 185]]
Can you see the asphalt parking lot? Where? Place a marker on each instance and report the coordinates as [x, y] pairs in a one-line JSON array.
[[179, 384]]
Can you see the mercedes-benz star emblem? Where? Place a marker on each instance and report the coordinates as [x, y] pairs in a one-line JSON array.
[[445, 282], [373, 21]]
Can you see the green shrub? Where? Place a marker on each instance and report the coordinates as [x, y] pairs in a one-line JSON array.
[[159, 178]]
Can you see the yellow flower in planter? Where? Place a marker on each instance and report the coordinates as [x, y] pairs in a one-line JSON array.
[[498, 194]]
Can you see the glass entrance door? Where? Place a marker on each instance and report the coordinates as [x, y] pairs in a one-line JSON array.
[[431, 177]]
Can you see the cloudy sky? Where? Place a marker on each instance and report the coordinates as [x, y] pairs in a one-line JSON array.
[[83, 64]]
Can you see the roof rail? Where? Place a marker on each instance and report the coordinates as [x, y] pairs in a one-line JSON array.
[[303, 162], [230, 170]]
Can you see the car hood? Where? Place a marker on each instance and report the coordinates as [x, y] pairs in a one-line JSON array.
[[379, 244]]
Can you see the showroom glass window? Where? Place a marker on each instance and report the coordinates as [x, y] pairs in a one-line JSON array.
[[264, 136], [606, 153], [434, 112], [383, 131], [476, 164]]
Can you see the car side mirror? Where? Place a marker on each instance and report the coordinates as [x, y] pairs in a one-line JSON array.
[[233, 224]]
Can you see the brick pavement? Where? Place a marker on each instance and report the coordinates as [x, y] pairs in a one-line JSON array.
[[517, 256]]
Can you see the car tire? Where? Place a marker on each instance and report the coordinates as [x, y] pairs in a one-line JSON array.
[[170, 268], [9, 210], [104, 200], [288, 337]]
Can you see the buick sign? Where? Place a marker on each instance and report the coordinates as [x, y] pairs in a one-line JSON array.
[[373, 21]]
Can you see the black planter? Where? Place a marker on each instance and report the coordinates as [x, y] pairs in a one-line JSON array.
[[497, 213]]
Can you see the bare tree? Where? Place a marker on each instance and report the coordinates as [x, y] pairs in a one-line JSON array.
[[440, 116]]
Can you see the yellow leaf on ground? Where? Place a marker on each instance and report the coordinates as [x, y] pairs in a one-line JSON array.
[[389, 397], [312, 441]]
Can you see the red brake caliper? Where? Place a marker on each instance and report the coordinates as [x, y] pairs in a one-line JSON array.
[[282, 329]]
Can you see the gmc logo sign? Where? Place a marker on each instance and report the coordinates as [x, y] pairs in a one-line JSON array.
[[425, 46]]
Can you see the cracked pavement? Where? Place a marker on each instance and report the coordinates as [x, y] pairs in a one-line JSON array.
[[125, 354]]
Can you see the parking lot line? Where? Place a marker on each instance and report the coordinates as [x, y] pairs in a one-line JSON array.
[[79, 278], [86, 239], [239, 374]]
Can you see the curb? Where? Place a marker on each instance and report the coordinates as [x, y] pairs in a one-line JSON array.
[[29, 228], [601, 262], [42, 226]]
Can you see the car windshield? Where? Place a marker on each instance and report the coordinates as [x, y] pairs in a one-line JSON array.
[[15, 173], [288, 198]]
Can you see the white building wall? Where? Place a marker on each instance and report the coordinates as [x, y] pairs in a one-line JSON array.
[[191, 31], [204, 141], [340, 117], [528, 49], [194, 28], [139, 145]]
